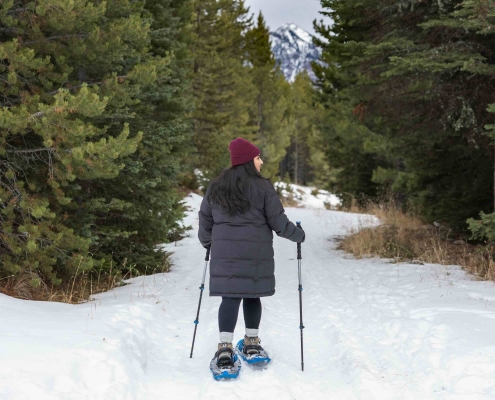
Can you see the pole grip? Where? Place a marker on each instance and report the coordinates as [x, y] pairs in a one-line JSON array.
[[299, 257], [208, 253]]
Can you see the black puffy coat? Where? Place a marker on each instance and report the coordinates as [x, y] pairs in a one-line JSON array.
[[242, 263]]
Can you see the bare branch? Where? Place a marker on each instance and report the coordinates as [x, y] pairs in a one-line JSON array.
[[15, 10], [37, 115], [11, 31], [80, 35], [32, 150]]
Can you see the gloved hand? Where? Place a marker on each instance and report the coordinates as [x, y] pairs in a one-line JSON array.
[[304, 233]]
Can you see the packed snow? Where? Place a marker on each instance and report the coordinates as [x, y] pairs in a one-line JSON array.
[[374, 330]]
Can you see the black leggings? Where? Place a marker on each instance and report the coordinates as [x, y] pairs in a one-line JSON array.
[[229, 310]]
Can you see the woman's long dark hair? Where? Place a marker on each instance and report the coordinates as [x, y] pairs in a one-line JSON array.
[[229, 188]]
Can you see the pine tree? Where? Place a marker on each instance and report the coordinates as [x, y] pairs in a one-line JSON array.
[[440, 136], [70, 75], [148, 183], [305, 161], [269, 111], [220, 85], [341, 124], [397, 76], [477, 16]]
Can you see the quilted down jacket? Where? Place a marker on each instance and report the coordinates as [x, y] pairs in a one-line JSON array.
[[242, 263]]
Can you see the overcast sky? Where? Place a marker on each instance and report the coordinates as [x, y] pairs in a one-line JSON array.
[[279, 12]]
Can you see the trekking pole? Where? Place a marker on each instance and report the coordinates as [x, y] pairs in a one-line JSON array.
[[301, 326], [202, 288]]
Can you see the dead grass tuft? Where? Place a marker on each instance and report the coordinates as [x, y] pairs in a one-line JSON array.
[[404, 237], [289, 202], [76, 290]]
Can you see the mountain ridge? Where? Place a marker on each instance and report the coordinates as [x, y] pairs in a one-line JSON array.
[[294, 50]]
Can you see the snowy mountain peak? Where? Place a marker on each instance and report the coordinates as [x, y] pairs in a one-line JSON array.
[[290, 30], [294, 50]]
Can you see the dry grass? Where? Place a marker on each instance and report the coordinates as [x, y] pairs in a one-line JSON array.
[[76, 290], [405, 237], [289, 202], [31, 286]]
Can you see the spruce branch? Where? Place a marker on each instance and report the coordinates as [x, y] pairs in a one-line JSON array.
[[82, 84]]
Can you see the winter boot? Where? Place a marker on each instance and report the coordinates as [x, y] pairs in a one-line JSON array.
[[252, 346], [225, 355], [225, 364], [250, 351]]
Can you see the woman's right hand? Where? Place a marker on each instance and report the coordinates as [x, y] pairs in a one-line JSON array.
[[304, 233]]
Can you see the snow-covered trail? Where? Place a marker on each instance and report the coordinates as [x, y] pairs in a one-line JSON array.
[[374, 330]]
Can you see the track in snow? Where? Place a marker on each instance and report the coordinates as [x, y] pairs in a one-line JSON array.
[[374, 330]]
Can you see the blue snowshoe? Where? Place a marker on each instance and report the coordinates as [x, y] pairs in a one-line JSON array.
[[250, 351], [225, 364]]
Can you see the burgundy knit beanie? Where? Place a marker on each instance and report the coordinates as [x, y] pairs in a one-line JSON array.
[[242, 151]]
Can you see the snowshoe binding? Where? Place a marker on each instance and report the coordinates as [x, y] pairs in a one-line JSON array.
[[225, 364], [250, 350]]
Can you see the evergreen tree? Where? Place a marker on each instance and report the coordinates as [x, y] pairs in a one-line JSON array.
[[148, 183], [221, 86], [305, 161], [269, 111], [70, 75], [426, 143], [341, 126], [477, 16]]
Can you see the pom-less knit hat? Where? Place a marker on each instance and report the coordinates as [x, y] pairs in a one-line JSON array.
[[242, 151]]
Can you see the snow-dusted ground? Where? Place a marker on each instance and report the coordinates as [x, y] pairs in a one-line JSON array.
[[307, 196], [374, 330]]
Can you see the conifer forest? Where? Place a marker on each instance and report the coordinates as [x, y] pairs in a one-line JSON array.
[[112, 110]]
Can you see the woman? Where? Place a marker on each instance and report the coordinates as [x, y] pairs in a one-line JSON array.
[[237, 216]]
